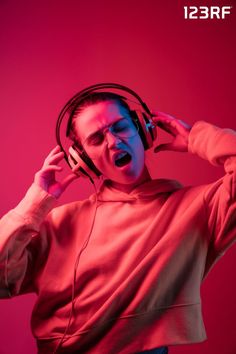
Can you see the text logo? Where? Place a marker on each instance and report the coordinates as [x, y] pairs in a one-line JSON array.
[[206, 12]]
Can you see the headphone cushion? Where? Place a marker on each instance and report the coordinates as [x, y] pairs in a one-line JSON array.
[[81, 164]]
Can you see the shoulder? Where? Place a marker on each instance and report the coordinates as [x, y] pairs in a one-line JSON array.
[[70, 211]]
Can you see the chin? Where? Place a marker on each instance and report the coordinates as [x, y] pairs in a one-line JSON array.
[[127, 178]]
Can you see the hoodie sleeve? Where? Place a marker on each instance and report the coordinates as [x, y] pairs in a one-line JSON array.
[[219, 147], [21, 247]]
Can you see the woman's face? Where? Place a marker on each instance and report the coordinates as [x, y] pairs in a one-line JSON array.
[[120, 159]]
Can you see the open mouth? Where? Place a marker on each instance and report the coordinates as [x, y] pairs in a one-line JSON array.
[[122, 159]]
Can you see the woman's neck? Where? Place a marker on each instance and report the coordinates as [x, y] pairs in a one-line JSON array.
[[127, 188]]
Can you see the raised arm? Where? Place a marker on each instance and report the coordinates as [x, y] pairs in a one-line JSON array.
[[218, 146], [22, 247]]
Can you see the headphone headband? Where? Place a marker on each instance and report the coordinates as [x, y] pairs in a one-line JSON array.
[[85, 93]]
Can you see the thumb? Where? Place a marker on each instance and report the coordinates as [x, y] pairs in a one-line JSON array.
[[70, 178], [163, 147]]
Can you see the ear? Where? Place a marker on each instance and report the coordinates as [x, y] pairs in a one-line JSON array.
[[81, 164]]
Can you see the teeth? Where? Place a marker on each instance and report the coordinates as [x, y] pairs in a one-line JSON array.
[[122, 154]]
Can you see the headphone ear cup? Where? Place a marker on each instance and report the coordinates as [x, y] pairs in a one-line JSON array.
[[81, 164], [147, 129]]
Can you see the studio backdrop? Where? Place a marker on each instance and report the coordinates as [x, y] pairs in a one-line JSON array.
[[179, 56]]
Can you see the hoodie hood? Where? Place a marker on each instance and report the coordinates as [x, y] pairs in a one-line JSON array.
[[147, 190]]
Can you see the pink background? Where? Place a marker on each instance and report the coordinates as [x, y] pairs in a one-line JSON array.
[[52, 49]]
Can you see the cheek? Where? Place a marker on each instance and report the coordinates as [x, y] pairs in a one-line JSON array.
[[102, 164], [138, 150], [139, 161]]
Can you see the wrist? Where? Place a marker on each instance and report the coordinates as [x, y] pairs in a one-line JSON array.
[[36, 204]]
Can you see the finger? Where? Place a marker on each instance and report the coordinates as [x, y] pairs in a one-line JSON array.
[[185, 124], [55, 155], [164, 147], [172, 125], [48, 169], [154, 112], [55, 150], [70, 178], [164, 120], [167, 127], [51, 168], [54, 159], [161, 117]]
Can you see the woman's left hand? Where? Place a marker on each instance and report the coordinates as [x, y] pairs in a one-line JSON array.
[[175, 127]]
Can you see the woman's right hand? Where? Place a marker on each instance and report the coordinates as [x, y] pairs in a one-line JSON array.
[[46, 177]]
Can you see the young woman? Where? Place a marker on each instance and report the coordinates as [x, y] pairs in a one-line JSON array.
[[121, 271]]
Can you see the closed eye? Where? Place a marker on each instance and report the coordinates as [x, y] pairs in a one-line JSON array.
[[95, 139], [121, 126]]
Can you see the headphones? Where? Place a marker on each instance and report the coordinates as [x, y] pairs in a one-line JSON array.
[[78, 159]]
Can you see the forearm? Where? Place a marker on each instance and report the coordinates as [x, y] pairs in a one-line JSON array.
[[17, 229], [214, 144]]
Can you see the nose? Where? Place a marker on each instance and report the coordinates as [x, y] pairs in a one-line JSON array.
[[111, 139]]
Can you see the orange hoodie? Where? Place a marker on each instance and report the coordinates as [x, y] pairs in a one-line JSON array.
[[140, 257]]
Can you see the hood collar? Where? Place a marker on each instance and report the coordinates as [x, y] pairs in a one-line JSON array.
[[147, 190]]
